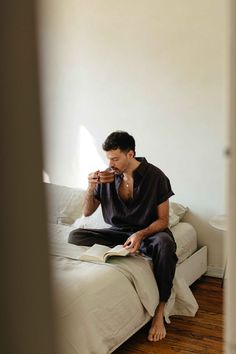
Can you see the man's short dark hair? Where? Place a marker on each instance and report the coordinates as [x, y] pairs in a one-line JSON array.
[[119, 140]]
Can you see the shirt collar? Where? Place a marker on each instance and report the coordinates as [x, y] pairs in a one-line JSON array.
[[142, 166], [140, 170]]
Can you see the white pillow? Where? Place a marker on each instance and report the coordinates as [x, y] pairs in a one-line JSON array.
[[94, 221], [178, 209], [64, 204], [173, 218], [73, 208]]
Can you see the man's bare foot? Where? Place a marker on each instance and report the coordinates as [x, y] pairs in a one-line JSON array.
[[157, 330]]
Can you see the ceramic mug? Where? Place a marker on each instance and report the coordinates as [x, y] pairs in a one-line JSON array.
[[106, 176]]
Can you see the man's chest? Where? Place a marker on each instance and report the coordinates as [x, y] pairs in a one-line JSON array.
[[126, 189]]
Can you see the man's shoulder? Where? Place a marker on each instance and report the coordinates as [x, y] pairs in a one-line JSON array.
[[150, 168]]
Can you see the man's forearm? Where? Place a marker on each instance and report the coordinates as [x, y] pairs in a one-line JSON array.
[[134, 241], [90, 203], [156, 226]]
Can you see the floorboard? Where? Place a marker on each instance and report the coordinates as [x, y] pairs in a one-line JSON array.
[[200, 334]]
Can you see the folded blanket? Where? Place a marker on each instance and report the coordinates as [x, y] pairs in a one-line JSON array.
[[138, 270]]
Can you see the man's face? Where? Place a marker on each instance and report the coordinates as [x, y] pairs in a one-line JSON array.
[[119, 160]]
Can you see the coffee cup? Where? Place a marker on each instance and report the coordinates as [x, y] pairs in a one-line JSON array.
[[106, 176]]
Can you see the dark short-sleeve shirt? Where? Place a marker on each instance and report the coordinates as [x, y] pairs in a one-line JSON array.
[[151, 188]]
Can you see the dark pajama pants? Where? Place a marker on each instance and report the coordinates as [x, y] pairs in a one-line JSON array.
[[160, 247]]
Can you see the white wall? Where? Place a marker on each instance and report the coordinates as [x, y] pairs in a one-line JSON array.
[[156, 68]]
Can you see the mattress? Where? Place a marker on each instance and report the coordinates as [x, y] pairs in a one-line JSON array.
[[186, 239], [104, 304]]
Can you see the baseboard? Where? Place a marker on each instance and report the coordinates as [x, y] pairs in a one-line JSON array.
[[216, 272]]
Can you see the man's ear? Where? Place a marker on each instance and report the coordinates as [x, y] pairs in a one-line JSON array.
[[130, 154]]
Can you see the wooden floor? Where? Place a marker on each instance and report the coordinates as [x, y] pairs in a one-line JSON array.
[[200, 334]]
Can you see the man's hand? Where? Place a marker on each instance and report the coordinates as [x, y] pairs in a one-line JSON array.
[[90, 203], [133, 243], [93, 179]]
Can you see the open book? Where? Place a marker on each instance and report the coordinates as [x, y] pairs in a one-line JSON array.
[[100, 253]]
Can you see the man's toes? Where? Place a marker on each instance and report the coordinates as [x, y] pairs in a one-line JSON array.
[[163, 335], [151, 336], [158, 337]]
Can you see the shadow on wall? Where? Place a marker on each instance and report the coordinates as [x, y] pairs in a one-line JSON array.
[[46, 177]]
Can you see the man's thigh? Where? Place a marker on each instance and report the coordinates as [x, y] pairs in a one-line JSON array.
[[88, 237], [158, 241]]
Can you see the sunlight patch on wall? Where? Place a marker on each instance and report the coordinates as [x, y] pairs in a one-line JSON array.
[[46, 178], [89, 160]]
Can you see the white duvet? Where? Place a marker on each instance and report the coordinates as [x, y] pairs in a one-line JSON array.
[[99, 306]]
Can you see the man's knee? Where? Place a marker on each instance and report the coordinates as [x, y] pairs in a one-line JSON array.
[[74, 237], [165, 242], [86, 237]]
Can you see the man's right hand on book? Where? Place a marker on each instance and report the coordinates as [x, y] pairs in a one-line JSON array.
[[133, 243]]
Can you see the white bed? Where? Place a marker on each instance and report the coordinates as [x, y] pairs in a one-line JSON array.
[[99, 306]]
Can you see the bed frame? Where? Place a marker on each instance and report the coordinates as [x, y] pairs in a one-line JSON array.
[[190, 269], [193, 267]]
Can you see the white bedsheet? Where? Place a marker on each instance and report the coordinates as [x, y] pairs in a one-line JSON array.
[[101, 305]]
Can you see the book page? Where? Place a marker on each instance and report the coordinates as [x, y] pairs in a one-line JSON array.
[[118, 250], [100, 253], [96, 252]]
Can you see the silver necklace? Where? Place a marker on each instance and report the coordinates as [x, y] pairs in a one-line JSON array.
[[126, 183]]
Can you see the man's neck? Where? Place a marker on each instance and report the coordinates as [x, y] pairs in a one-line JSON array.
[[132, 166]]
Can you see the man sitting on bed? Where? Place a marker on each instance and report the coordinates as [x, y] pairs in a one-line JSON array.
[[136, 204]]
